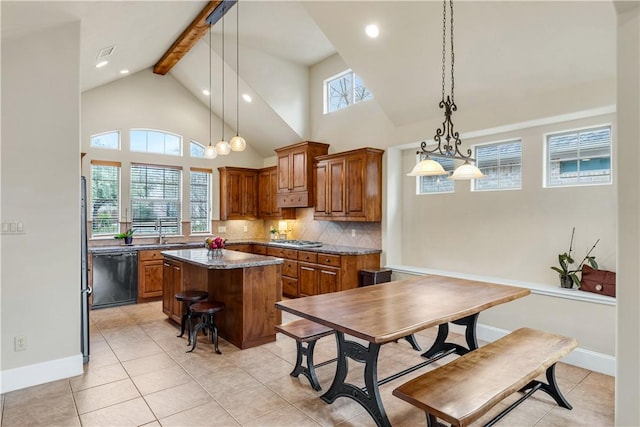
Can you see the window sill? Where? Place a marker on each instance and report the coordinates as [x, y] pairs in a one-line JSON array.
[[536, 288]]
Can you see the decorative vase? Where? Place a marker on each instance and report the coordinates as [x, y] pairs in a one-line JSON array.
[[215, 253], [566, 282]]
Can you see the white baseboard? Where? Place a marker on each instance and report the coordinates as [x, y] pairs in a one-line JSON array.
[[583, 358], [40, 373]]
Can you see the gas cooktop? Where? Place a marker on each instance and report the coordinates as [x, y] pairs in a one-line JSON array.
[[297, 243]]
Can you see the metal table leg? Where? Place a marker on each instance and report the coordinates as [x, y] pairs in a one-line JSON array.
[[441, 348], [369, 396]]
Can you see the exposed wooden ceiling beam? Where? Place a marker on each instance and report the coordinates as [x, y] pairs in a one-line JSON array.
[[189, 37]]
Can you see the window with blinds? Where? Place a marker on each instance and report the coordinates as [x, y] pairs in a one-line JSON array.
[[155, 199], [502, 165], [439, 183], [200, 189], [105, 197], [580, 157]]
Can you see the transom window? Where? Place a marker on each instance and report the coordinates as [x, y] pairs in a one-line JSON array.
[[200, 189], [107, 140], [343, 90], [196, 149], [155, 199], [153, 141], [439, 183], [105, 197], [580, 157], [502, 165]]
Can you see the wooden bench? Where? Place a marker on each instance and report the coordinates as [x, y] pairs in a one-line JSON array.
[[306, 331], [465, 389]]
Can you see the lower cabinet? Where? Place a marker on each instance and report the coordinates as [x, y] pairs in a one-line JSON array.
[[317, 279], [149, 275], [289, 269], [172, 284], [240, 247]]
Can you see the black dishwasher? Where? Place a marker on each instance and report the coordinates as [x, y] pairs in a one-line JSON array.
[[115, 278]]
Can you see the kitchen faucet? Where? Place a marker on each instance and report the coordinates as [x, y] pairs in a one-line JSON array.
[[159, 228]]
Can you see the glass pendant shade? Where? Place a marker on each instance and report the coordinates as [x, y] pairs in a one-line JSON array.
[[467, 171], [427, 167], [238, 143], [223, 148], [210, 152]]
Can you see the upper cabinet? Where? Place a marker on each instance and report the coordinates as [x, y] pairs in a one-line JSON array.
[[296, 174], [349, 186], [238, 193], [267, 193]]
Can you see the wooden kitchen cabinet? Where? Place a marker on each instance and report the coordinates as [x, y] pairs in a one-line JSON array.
[[349, 186], [150, 273], [240, 247], [172, 284], [289, 269], [307, 279], [295, 186], [238, 193], [267, 195]]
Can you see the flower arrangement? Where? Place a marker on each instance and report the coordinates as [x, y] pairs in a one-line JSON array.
[[569, 277], [215, 243]]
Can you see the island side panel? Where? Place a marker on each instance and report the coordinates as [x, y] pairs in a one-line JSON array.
[[226, 286], [262, 290]]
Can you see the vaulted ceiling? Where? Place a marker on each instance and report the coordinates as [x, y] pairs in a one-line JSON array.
[[504, 51]]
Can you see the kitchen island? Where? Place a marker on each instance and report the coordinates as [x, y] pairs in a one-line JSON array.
[[248, 284]]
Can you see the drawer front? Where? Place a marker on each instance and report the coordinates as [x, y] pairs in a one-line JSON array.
[[328, 259], [290, 268], [307, 256], [293, 200], [290, 286], [259, 249], [282, 252], [148, 255]]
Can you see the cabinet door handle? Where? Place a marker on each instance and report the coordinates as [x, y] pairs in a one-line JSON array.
[[327, 260]]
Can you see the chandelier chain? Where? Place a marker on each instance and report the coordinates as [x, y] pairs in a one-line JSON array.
[[444, 43], [237, 68], [452, 52], [210, 94]]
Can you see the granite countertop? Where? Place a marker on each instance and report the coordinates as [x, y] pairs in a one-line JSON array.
[[325, 249], [229, 259], [144, 247]]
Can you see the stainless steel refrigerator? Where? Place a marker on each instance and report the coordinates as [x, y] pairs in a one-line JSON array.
[[85, 290]]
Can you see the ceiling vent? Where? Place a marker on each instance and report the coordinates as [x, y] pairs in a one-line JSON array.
[[106, 51]]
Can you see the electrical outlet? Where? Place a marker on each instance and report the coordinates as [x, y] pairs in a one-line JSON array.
[[19, 343], [222, 229], [353, 232], [246, 228]]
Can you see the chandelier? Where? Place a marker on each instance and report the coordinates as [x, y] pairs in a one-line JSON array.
[[447, 138]]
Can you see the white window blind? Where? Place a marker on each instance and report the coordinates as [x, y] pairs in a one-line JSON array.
[[579, 157], [438, 183], [105, 197], [502, 165], [200, 189], [155, 199]]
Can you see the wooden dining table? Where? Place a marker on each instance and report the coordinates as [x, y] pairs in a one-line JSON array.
[[386, 312]]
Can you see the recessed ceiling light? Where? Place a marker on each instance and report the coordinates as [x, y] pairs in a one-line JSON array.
[[372, 30], [246, 97], [101, 64], [206, 92], [124, 71]]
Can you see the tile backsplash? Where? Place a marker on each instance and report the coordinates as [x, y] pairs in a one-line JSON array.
[[367, 234]]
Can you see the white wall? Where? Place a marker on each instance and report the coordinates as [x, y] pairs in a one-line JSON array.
[[41, 187], [147, 100], [510, 235]]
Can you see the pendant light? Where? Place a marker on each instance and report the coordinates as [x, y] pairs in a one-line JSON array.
[[210, 150], [237, 142], [448, 149], [222, 147]]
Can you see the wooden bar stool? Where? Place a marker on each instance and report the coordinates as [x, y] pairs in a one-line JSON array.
[[188, 298], [206, 310]]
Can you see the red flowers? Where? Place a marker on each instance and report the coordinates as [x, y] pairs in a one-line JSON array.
[[215, 243]]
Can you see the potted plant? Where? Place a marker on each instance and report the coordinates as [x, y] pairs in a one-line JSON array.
[[274, 233], [568, 276], [127, 236]]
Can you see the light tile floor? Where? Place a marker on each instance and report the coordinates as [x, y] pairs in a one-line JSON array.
[[140, 375]]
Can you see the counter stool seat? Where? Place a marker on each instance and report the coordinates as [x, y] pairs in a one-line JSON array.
[[206, 310], [188, 298]]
